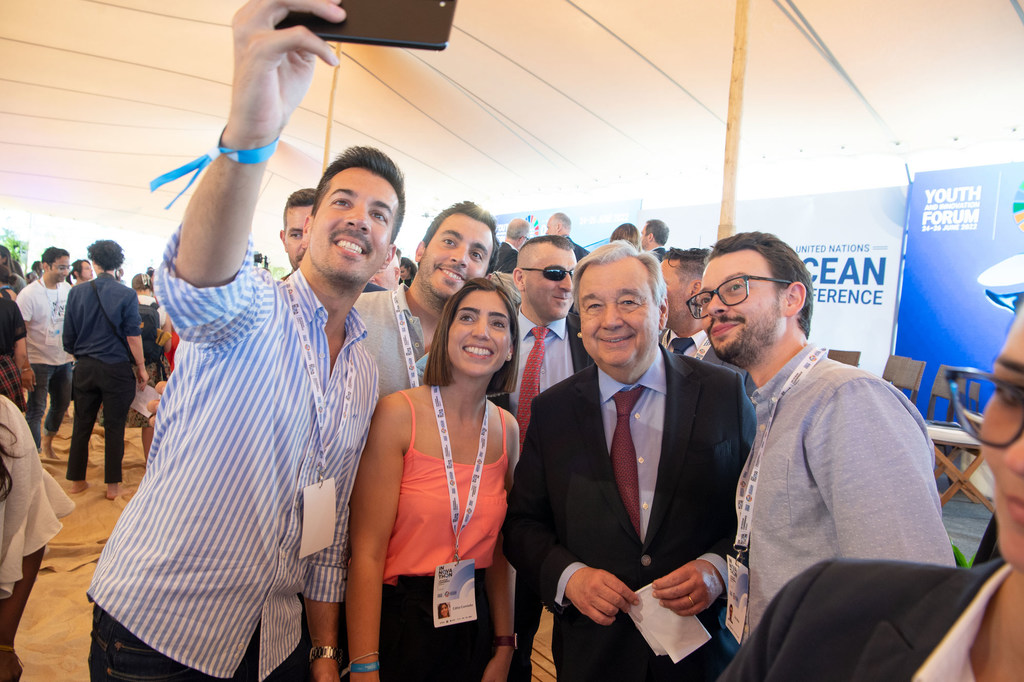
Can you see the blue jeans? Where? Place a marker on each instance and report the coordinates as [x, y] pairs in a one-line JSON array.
[[55, 381], [117, 654]]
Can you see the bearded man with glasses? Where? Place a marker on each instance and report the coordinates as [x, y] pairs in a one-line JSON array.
[[842, 464]]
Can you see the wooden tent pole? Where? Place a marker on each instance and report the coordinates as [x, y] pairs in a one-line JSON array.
[[330, 110], [727, 220]]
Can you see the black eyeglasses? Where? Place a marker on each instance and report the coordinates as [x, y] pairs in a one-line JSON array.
[[552, 272], [731, 292], [1001, 421]]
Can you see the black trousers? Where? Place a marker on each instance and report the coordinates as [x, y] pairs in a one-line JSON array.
[[413, 650], [528, 610], [96, 383]]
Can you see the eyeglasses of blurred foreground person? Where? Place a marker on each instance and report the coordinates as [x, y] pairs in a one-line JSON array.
[[871, 620]]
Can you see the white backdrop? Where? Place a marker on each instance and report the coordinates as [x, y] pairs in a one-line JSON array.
[[852, 243]]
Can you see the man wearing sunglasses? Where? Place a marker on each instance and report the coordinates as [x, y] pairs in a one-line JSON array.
[[842, 465], [552, 349]]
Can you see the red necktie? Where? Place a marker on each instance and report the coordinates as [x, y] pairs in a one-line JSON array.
[[624, 454], [530, 386]]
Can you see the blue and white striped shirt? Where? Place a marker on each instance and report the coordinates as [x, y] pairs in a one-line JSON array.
[[209, 546]]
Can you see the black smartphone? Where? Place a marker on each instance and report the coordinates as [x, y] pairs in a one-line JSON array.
[[423, 24]]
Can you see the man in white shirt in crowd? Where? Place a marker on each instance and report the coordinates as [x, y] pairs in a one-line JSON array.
[[42, 305]]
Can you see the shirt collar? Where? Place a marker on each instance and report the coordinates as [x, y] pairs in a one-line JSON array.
[[653, 378], [952, 655], [313, 309], [774, 387], [526, 327]]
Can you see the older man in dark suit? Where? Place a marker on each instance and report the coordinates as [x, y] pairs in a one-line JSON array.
[[516, 234], [628, 477], [551, 350]]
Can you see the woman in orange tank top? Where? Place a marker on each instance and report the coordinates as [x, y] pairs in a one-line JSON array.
[[403, 531]]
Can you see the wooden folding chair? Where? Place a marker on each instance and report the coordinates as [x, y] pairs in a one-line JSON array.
[[905, 374], [959, 479], [847, 357]]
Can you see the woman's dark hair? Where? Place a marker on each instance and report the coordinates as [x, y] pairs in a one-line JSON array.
[[12, 263], [5, 276], [438, 371], [626, 232], [408, 263]]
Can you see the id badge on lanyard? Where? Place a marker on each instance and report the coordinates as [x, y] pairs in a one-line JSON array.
[[454, 596], [739, 573], [319, 510], [408, 355]]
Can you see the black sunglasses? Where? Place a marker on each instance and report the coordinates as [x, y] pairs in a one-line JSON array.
[[552, 272]]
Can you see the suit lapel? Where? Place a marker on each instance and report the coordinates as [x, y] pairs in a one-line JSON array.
[[580, 357], [897, 648], [682, 393], [590, 426]]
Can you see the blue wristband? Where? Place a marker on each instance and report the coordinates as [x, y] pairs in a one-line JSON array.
[[365, 667], [237, 155]]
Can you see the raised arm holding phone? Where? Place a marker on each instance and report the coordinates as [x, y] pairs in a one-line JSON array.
[[244, 504]]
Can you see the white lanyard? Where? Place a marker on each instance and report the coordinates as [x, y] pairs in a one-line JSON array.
[[748, 479], [449, 467], [703, 350], [403, 331], [309, 360]]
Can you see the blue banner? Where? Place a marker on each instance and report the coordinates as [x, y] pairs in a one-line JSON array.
[[963, 232]]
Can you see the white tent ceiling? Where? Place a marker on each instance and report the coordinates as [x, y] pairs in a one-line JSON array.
[[534, 103]]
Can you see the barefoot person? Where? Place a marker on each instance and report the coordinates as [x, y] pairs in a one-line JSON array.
[[102, 330]]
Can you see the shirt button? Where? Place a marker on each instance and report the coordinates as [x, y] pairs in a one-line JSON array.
[[645, 506], [640, 460], [321, 356], [645, 560], [417, 345], [636, 416]]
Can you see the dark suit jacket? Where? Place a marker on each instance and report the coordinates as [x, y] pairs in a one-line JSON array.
[[579, 251], [659, 252], [580, 358], [565, 507], [506, 259], [857, 620]]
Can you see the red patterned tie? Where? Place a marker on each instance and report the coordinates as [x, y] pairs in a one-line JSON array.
[[624, 454], [530, 386]]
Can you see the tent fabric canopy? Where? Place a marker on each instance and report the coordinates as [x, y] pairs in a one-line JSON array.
[[533, 101]]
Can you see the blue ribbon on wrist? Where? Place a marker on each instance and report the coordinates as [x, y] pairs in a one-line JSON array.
[[196, 166], [364, 667]]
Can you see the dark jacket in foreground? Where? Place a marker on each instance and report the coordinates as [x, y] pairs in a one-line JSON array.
[[857, 620]]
